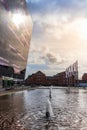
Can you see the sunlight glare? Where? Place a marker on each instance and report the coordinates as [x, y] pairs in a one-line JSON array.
[[81, 27], [18, 19]]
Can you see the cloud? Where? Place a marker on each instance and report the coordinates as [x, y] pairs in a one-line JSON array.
[[59, 34], [51, 58], [51, 6]]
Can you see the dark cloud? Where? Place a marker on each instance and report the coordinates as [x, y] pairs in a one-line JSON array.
[[51, 58]]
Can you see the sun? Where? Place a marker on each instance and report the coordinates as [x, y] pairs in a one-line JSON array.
[[18, 19]]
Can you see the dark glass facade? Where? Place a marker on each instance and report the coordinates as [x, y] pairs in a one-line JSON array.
[[15, 35]]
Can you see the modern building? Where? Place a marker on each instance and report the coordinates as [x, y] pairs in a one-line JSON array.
[[0, 82], [15, 35]]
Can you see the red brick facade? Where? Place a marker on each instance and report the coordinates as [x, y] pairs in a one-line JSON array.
[[37, 78], [59, 79], [40, 78], [84, 77]]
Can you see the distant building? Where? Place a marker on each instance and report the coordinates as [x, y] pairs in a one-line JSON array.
[[82, 83], [37, 78], [19, 75], [49, 80], [59, 79], [84, 77]]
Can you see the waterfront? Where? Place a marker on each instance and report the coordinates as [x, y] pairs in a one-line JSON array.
[[28, 109]]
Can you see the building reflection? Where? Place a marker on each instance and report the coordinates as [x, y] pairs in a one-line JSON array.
[[15, 35], [12, 105]]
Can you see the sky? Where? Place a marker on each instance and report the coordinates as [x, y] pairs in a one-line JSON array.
[[59, 36]]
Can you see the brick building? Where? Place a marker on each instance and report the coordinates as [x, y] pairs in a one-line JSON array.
[[59, 79], [49, 80], [40, 78], [37, 78], [84, 77], [71, 81]]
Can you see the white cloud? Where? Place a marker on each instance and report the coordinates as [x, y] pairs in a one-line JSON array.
[[63, 38]]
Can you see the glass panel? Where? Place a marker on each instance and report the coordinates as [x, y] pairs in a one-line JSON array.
[[15, 34]]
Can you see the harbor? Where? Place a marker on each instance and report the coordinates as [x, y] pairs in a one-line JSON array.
[[28, 109]]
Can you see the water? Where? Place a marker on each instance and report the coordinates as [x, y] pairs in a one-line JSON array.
[[49, 111], [50, 92], [28, 109]]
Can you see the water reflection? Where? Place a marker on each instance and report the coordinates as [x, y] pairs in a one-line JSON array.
[[29, 108]]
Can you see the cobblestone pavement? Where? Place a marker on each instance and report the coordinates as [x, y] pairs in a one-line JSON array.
[[9, 122]]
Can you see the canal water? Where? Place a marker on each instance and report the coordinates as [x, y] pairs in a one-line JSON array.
[[28, 109]]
